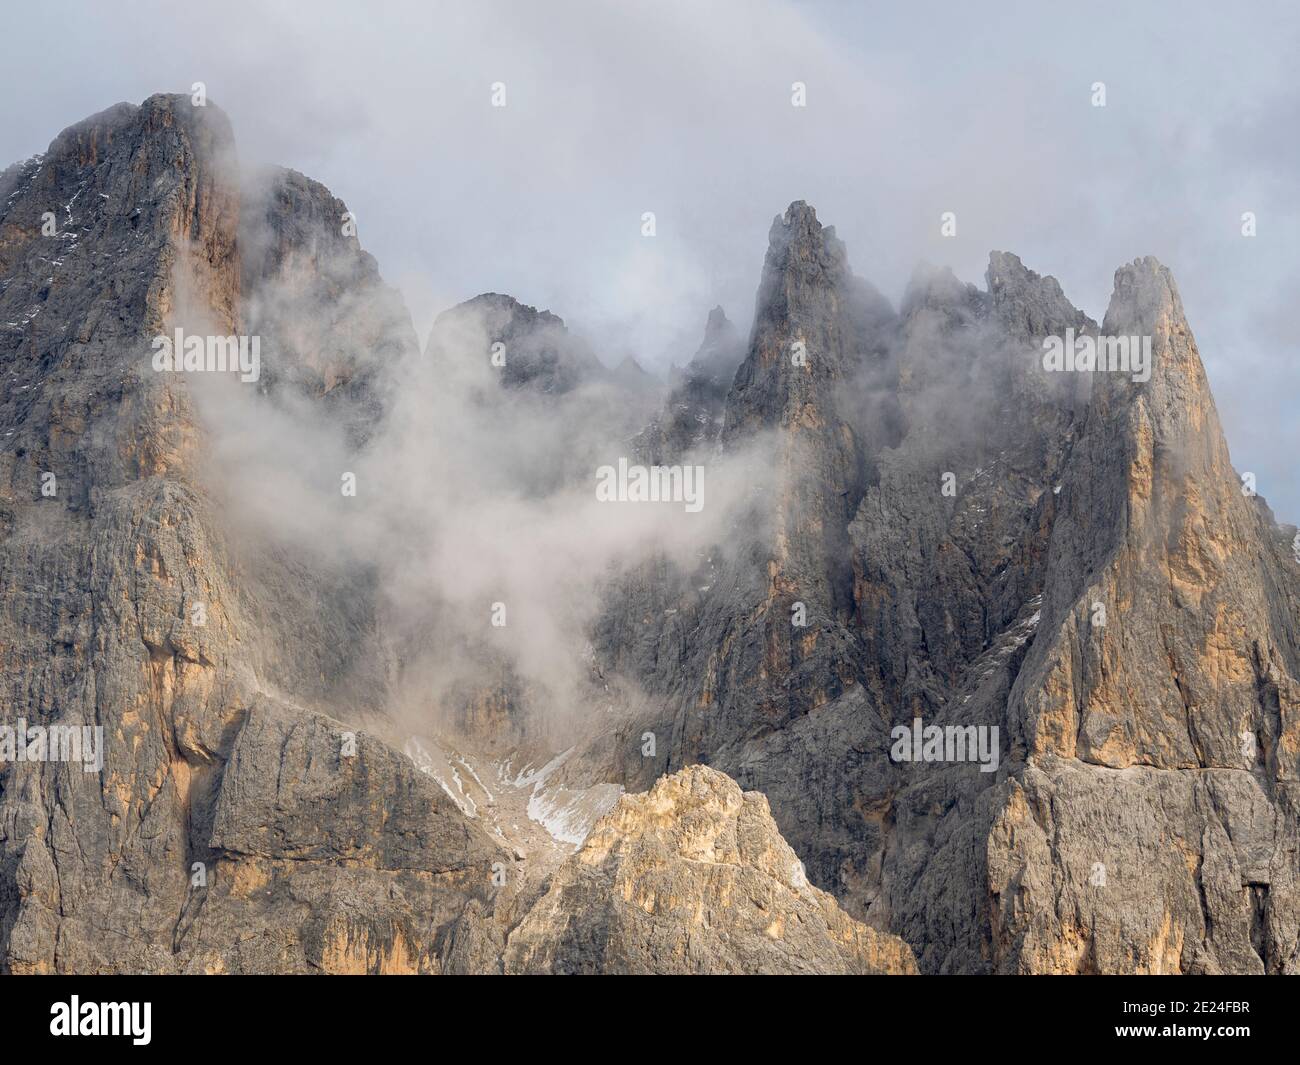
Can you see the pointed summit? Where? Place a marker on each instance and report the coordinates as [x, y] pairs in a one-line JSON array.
[[938, 288], [631, 375], [710, 851], [805, 262], [815, 324], [718, 329], [1145, 304], [536, 349], [1156, 531], [692, 412], [1029, 304], [815, 354], [719, 353], [1167, 650]]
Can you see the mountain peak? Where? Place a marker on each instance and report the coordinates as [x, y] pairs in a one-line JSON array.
[[539, 351], [937, 287], [717, 323], [500, 302], [721, 349], [1006, 270], [1145, 291], [1145, 304], [798, 211], [797, 235], [694, 844]]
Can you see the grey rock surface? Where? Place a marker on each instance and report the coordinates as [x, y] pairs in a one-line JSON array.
[[971, 607], [693, 877], [1066, 558], [125, 603], [692, 414]]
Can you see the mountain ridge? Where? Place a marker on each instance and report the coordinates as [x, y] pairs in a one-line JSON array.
[[935, 520]]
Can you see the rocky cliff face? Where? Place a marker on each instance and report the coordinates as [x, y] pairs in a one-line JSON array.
[[1157, 709], [128, 606], [693, 877], [1139, 818], [1061, 564], [316, 298], [233, 826], [692, 416]]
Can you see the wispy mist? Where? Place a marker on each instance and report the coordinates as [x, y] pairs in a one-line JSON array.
[[685, 110]]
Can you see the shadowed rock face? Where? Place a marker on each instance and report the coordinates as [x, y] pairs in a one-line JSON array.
[[1066, 558], [1152, 754], [535, 350], [692, 414], [316, 298], [815, 358]]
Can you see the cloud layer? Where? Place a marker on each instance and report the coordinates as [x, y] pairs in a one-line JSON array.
[[684, 110]]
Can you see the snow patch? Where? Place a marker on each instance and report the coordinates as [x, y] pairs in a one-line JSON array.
[[567, 814], [436, 766]]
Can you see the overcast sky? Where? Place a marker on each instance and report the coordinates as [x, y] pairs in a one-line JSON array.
[[684, 109]]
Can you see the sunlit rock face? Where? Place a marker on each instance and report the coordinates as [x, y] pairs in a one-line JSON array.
[[1157, 708], [693, 877], [945, 533]]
